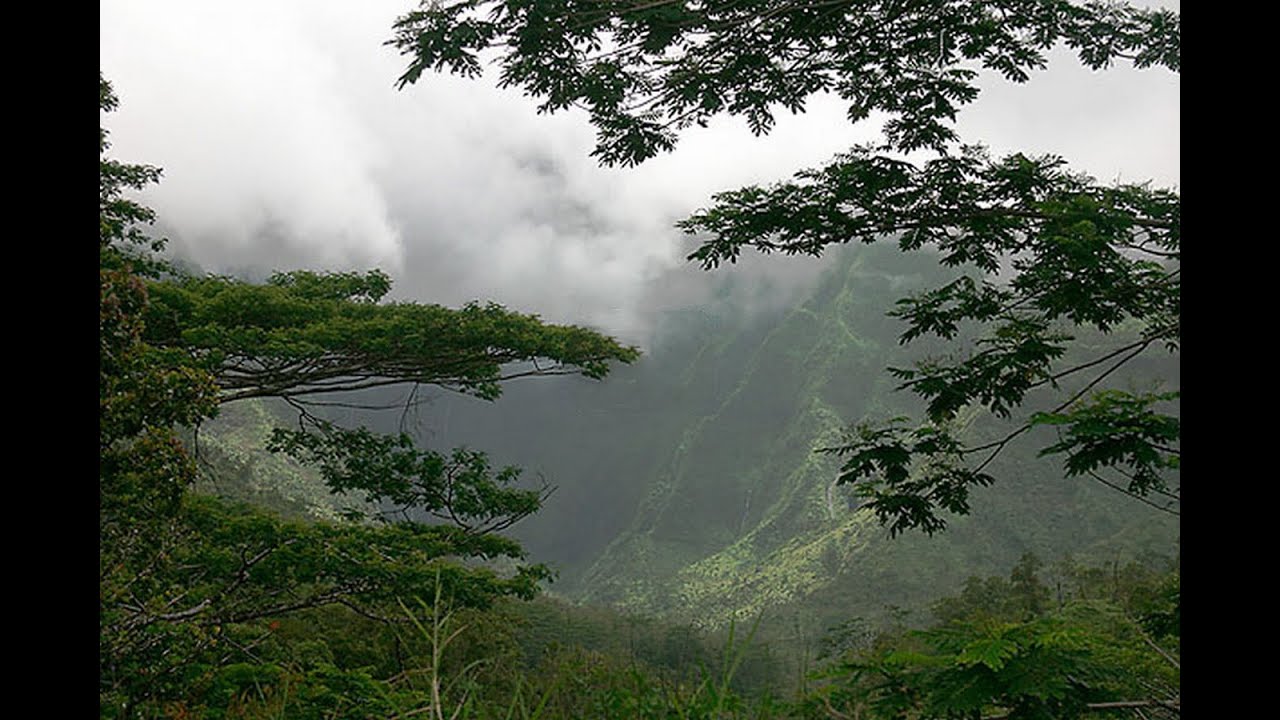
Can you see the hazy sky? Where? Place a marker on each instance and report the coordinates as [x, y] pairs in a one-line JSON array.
[[284, 144]]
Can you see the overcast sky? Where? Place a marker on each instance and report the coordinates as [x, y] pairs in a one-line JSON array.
[[284, 145]]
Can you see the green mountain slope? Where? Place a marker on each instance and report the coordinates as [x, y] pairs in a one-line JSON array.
[[235, 464], [743, 515], [689, 486]]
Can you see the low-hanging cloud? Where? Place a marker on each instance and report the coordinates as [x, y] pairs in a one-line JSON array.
[[285, 145]]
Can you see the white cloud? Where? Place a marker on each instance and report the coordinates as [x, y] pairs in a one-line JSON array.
[[285, 144]]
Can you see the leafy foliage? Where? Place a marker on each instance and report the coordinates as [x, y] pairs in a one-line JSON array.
[[1051, 252], [187, 579], [460, 488], [1079, 258], [1037, 670], [1001, 651], [222, 566], [194, 587], [304, 333], [902, 498], [1119, 429], [646, 70], [119, 216]]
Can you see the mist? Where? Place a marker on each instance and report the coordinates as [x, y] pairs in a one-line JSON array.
[[285, 145]]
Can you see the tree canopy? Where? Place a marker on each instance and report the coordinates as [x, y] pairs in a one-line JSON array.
[[1006, 649], [1049, 255], [304, 334], [1062, 282], [185, 576], [646, 69]]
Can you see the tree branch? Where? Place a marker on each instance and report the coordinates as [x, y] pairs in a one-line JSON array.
[[1133, 495], [1000, 444]]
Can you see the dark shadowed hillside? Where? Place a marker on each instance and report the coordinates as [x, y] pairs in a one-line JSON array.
[[688, 485]]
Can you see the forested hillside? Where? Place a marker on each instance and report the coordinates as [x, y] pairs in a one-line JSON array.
[[690, 486], [691, 497], [930, 473]]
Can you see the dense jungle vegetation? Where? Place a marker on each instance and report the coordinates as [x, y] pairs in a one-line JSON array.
[[941, 483]]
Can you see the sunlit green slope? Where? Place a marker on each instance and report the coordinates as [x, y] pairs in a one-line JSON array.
[[742, 514], [689, 486]]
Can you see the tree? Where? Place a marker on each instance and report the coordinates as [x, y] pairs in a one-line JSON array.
[[645, 69], [1051, 259], [998, 651], [1085, 260], [186, 579], [305, 334]]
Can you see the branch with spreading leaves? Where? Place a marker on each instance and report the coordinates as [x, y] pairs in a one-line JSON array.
[[1043, 256], [305, 334], [644, 71]]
